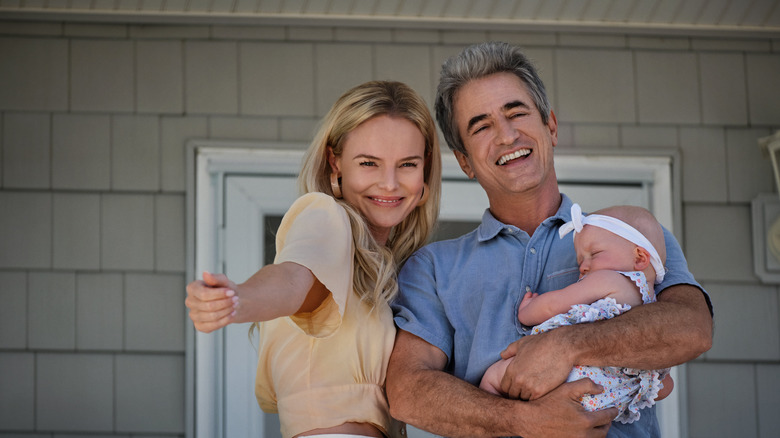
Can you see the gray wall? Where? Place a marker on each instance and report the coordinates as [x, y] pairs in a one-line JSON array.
[[94, 120]]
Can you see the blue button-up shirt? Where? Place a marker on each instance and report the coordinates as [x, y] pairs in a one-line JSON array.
[[462, 295]]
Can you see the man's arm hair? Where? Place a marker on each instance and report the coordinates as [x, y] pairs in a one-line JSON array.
[[674, 330], [420, 393]]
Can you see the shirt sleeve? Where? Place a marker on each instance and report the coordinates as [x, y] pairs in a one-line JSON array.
[[418, 308], [315, 233], [677, 268]]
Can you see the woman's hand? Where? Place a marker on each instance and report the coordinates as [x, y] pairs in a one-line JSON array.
[[212, 302]]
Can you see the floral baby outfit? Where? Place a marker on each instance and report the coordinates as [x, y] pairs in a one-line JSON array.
[[627, 389]]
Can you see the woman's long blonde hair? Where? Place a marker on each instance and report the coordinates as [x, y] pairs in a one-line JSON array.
[[375, 266]]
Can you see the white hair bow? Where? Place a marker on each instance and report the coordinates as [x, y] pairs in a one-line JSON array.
[[614, 225]]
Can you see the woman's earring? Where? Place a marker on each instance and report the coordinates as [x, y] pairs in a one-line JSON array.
[[335, 186], [424, 196]]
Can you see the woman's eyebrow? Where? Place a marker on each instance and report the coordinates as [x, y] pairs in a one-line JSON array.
[[371, 157]]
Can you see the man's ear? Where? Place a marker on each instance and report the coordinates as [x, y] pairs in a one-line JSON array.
[[552, 125], [465, 164], [641, 258]]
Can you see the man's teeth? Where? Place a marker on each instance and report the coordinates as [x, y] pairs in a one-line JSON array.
[[513, 155]]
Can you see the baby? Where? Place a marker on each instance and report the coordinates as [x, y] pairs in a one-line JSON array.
[[621, 254]]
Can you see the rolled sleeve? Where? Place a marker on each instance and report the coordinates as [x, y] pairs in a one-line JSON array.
[[677, 272], [418, 309]]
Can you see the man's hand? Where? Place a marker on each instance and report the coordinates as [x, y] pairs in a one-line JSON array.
[[422, 394], [542, 365], [562, 415]]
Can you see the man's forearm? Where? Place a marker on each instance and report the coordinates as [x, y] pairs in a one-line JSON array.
[[676, 329], [423, 395], [447, 406]]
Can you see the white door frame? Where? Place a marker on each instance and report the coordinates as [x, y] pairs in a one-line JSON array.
[[209, 161]]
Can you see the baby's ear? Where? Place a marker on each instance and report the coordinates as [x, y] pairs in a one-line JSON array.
[[641, 258]]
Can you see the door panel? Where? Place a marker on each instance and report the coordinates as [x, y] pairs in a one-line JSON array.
[[253, 208]]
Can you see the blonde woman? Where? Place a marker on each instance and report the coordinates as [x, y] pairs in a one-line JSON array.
[[372, 179]]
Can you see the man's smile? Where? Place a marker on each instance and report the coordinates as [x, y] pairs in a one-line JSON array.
[[513, 156]]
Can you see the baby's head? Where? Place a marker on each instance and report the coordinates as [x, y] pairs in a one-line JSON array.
[[643, 221], [625, 244]]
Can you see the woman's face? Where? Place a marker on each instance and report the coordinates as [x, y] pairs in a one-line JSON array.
[[381, 169]]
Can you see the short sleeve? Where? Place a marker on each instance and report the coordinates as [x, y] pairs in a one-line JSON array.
[[315, 233], [677, 268], [418, 308]]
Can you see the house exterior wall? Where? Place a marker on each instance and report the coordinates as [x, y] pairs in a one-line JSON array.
[[93, 124]]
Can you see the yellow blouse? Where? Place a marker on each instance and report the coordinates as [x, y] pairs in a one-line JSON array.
[[327, 367]]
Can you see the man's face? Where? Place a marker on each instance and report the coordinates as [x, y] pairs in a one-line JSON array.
[[510, 149]]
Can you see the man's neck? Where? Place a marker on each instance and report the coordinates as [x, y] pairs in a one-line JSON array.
[[525, 211]]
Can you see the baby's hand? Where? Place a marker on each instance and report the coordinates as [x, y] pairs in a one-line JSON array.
[[527, 298]]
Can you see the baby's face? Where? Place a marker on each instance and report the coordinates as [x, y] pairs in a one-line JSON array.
[[599, 249]]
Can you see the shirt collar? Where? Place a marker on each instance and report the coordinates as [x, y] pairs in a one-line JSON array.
[[490, 226]]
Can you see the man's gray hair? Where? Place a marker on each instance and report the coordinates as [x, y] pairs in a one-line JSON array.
[[475, 62]]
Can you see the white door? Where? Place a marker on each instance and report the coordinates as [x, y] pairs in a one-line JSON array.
[[250, 193]]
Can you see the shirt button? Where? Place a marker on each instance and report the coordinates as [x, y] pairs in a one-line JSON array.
[[533, 250], [528, 288]]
